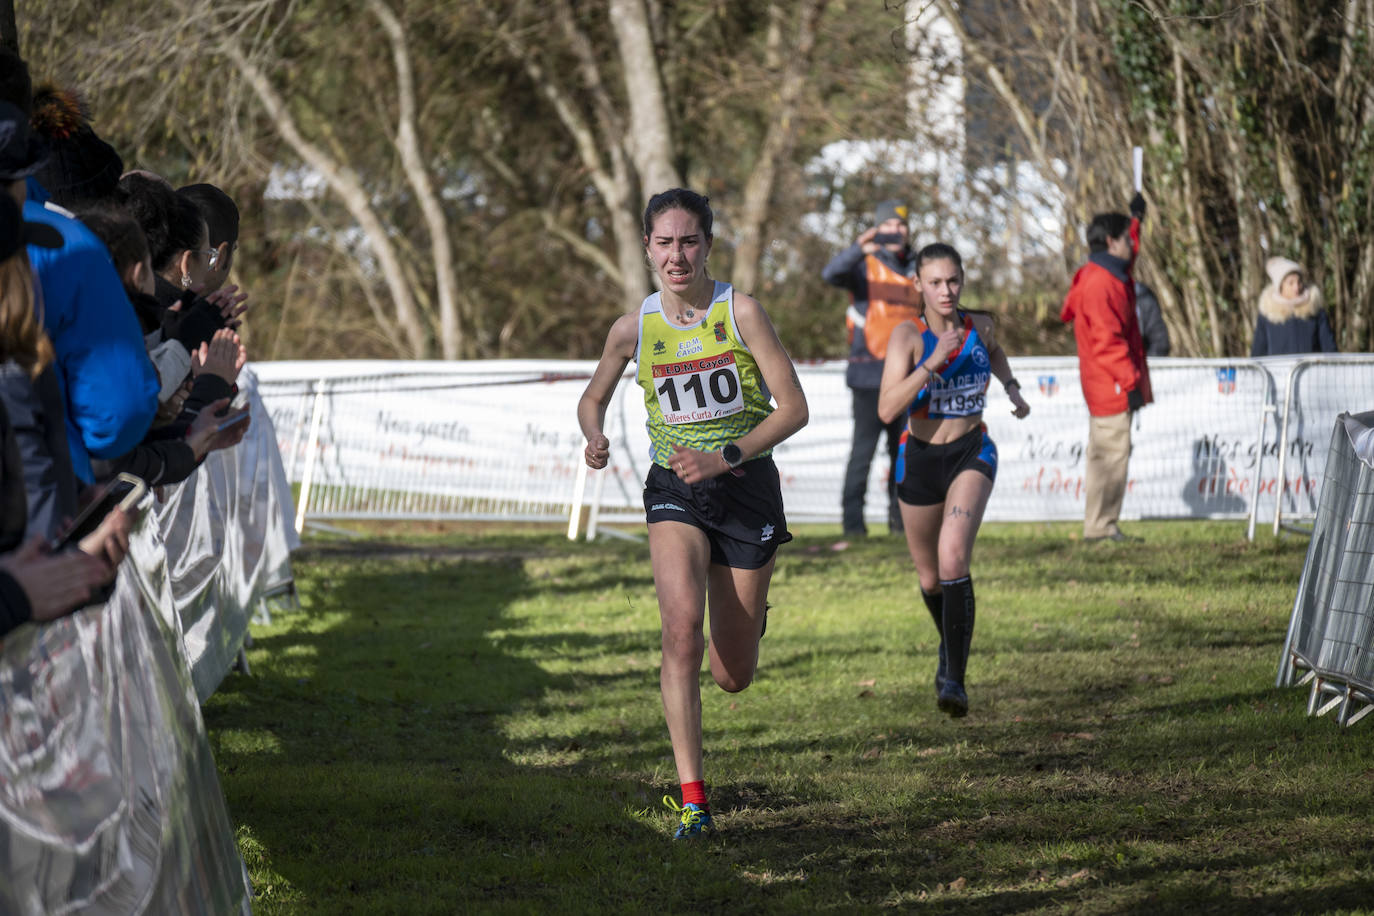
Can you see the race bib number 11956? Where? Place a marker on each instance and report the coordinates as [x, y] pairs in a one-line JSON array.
[[962, 403], [698, 389]]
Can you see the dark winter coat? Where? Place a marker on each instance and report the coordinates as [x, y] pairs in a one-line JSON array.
[[1288, 326]]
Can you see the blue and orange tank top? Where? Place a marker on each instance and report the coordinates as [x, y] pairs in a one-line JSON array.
[[702, 387], [963, 391]]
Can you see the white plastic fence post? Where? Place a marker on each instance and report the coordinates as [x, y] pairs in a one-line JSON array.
[[311, 443], [1259, 465], [296, 436], [595, 515], [1280, 484], [575, 510]]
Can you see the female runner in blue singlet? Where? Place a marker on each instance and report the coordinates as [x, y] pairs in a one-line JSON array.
[[707, 358], [937, 370]]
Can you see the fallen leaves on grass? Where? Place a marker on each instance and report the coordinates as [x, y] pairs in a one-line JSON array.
[[1079, 875], [767, 877], [957, 884], [1040, 876]]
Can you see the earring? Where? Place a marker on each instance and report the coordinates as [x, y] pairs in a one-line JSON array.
[[186, 280]]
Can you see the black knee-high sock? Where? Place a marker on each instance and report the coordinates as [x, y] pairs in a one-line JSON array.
[[935, 603], [958, 625]]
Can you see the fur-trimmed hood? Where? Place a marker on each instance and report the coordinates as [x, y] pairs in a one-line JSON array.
[[1278, 309]]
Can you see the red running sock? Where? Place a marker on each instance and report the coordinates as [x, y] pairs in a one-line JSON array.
[[694, 793]]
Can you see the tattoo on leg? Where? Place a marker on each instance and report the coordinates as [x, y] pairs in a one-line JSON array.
[[956, 511]]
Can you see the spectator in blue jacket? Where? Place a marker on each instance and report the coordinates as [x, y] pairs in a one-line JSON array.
[[29, 387], [109, 385], [36, 584]]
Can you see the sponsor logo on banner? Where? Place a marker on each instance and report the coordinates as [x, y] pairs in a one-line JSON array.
[[1049, 387], [689, 347], [1226, 380]]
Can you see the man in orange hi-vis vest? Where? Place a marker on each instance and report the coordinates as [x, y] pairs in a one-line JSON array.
[[877, 271]]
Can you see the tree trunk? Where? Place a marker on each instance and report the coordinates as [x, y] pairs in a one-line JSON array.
[[777, 146], [650, 136], [614, 182], [1251, 256], [345, 183], [417, 175], [1193, 221]]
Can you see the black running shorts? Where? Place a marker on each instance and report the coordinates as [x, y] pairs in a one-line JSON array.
[[740, 511], [925, 471]]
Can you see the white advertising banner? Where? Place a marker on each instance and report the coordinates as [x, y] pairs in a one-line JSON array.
[[499, 439], [429, 440]]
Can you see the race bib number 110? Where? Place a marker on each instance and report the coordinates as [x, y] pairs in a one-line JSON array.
[[698, 389]]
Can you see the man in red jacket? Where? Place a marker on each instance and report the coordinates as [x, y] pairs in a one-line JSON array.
[[1111, 362]]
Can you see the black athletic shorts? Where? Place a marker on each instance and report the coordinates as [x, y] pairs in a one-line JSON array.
[[740, 511], [925, 471]]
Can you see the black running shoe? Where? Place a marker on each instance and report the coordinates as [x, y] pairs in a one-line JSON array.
[[953, 700]]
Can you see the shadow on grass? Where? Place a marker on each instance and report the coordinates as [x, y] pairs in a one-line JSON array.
[[366, 759], [419, 740]]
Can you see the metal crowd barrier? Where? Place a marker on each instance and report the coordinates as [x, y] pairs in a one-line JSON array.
[[1317, 389], [1330, 640]]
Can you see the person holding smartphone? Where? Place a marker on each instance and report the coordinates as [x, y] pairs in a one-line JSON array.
[[878, 272]]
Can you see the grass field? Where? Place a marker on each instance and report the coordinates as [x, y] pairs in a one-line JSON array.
[[471, 723]]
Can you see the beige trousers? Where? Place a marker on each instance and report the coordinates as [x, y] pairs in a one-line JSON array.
[[1104, 485]]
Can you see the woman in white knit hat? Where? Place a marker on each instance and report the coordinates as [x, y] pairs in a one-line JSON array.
[[1291, 317]]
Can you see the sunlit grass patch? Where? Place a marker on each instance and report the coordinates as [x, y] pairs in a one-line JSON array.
[[461, 723]]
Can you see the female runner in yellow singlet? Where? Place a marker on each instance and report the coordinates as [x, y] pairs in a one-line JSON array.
[[707, 358]]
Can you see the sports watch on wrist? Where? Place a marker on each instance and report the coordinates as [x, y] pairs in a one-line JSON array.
[[732, 455]]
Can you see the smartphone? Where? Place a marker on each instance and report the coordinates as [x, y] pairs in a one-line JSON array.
[[123, 492], [233, 421], [889, 238]]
